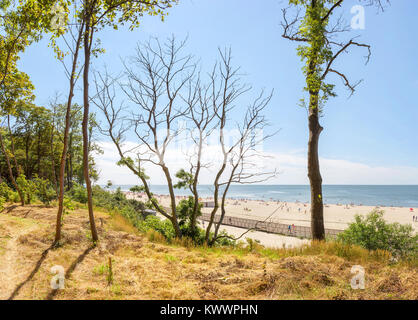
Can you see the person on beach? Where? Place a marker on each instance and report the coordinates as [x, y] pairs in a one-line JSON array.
[[289, 228]]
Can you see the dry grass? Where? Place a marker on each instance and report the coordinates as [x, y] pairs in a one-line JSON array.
[[145, 267]]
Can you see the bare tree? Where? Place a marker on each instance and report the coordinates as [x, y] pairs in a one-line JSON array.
[[240, 156], [168, 89], [155, 78]]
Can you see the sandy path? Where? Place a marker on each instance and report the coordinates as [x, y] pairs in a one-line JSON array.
[[8, 263]]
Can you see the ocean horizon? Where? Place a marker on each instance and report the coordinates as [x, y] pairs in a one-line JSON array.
[[368, 195]]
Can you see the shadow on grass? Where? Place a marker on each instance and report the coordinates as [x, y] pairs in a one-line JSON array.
[[70, 270], [31, 275], [8, 209]]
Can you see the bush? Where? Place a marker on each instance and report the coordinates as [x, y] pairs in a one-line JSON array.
[[44, 191], [116, 201], [68, 205], [78, 193], [28, 188], [132, 210], [165, 227], [185, 210], [374, 233], [2, 202], [137, 189], [14, 197], [6, 192]]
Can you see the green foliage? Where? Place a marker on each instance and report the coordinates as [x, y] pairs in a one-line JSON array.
[[44, 191], [28, 188], [68, 205], [137, 189], [316, 51], [108, 184], [132, 210], [79, 193], [185, 179], [14, 197], [374, 233], [6, 192], [2, 202], [185, 211], [117, 202], [165, 227]]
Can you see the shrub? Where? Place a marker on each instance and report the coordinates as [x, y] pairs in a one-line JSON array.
[[164, 227], [137, 189], [68, 205], [28, 187], [132, 210], [44, 191], [185, 210], [2, 202], [78, 193], [5, 191], [374, 233], [14, 197]]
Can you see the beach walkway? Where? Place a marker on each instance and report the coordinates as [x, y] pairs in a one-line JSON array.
[[269, 226]]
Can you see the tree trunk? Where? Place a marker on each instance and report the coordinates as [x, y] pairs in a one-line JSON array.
[[174, 219], [194, 186], [12, 145], [314, 174], [54, 173], [38, 150], [87, 53], [9, 167], [27, 141], [215, 199], [70, 162], [65, 147]]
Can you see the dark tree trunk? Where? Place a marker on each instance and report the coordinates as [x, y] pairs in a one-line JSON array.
[[12, 145], [70, 162], [9, 167], [38, 151], [314, 174], [54, 172], [27, 155], [67, 175], [87, 53]]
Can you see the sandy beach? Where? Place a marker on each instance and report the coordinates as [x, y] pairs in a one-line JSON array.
[[336, 216]]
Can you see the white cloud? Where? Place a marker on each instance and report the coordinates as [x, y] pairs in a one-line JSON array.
[[291, 166]]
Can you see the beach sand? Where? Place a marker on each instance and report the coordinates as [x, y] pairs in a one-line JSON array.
[[335, 216]]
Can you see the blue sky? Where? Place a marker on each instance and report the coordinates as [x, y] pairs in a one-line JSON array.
[[377, 128]]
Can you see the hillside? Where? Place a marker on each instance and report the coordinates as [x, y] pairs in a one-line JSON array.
[[145, 269]]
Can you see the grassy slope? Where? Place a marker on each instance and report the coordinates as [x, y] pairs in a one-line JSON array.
[[145, 269]]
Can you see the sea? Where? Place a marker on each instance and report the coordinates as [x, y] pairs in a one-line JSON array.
[[368, 195]]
